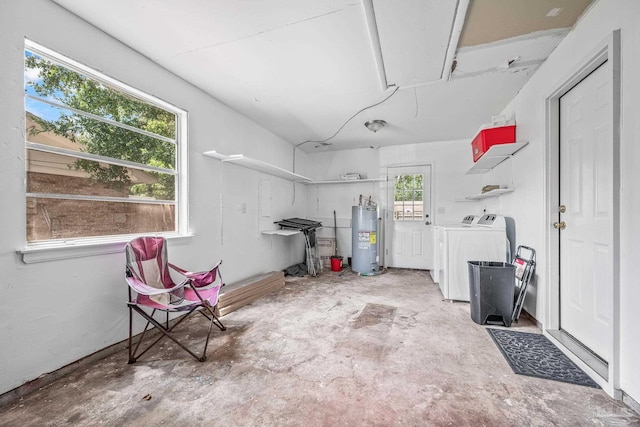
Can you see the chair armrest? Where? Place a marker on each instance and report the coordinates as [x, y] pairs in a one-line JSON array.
[[144, 289], [201, 278]]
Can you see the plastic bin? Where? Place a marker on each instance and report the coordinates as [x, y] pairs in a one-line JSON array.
[[487, 138], [491, 288]]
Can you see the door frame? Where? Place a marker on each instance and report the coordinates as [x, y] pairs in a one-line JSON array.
[[388, 207], [608, 50]]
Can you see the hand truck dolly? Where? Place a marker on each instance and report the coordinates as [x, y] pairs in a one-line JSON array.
[[525, 266]]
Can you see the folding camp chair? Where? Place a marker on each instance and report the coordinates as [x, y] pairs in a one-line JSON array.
[[152, 292]]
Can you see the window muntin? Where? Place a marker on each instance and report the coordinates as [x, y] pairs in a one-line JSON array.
[[100, 161], [408, 193]]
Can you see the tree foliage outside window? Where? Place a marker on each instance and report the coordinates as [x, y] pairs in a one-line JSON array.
[[71, 89], [111, 143], [408, 197]]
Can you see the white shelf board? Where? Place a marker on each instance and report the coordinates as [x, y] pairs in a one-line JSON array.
[[495, 155], [281, 232], [348, 181], [493, 193], [257, 165], [215, 155]]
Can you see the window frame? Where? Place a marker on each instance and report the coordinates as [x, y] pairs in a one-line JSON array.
[[49, 249]]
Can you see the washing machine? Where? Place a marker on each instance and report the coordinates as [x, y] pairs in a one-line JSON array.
[[467, 221], [481, 240]]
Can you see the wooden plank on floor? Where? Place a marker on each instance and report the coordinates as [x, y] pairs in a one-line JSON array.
[[237, 295], [232, 307], [249, 287]]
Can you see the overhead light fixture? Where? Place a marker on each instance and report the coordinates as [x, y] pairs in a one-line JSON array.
[[555, 12], [375, 125]]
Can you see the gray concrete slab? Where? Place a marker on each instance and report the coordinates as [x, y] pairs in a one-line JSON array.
[[335, 350]]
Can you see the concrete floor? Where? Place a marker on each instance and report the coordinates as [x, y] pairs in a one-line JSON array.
[[335, 350]]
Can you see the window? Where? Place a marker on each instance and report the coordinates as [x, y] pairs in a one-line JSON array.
[[102, 159], [408, 198]]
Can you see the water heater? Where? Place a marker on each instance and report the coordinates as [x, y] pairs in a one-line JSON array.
[[364, 240]]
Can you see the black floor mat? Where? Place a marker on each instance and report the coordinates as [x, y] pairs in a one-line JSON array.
[[534, 355]]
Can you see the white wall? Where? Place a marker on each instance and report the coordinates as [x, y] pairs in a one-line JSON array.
[[56, 312], [527, 203]]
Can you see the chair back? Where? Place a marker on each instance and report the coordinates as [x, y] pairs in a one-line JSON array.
[[148, 262]]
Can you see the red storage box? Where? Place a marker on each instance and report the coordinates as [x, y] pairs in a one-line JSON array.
[[492, 136]]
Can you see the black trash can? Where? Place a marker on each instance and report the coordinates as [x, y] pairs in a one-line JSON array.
[[491, 287]]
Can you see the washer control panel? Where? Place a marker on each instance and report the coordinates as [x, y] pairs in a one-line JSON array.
[[468, 220], [491, 220]]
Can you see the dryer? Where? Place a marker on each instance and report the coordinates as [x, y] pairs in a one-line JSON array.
[[485, 240]]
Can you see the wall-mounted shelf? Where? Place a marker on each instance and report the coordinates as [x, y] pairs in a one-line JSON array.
[[348, 181], [493, 193], [268, 168], [495, 155], [283, 232], [258, 165]]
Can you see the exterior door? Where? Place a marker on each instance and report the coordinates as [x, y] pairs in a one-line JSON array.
[[586, 225], [409, 242]]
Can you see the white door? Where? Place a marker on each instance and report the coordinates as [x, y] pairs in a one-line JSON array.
[[409, 239], [586, 187]]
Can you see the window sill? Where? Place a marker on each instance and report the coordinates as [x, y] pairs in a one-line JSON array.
[[79, 249]]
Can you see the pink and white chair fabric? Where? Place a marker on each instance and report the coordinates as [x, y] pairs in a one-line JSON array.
[[152, 290]]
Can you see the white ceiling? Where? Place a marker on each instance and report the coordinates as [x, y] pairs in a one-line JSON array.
[[316, 70]]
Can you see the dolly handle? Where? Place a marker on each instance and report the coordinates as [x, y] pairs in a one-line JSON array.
[[532, 253]]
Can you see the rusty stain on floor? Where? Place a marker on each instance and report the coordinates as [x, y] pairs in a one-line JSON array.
[[373, 314], [334, 350]]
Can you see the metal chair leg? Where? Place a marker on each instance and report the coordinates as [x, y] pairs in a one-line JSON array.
[[166, 332]]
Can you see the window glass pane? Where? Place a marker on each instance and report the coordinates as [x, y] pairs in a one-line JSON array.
[[45, 79], [79, 133], [406, 181], [53, 173], [408, 196], [68, 219]]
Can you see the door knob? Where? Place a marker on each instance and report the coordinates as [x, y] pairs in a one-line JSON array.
[[560, 225], [562, 208]]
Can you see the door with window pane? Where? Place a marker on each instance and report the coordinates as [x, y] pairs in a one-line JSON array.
[[409, 233]]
